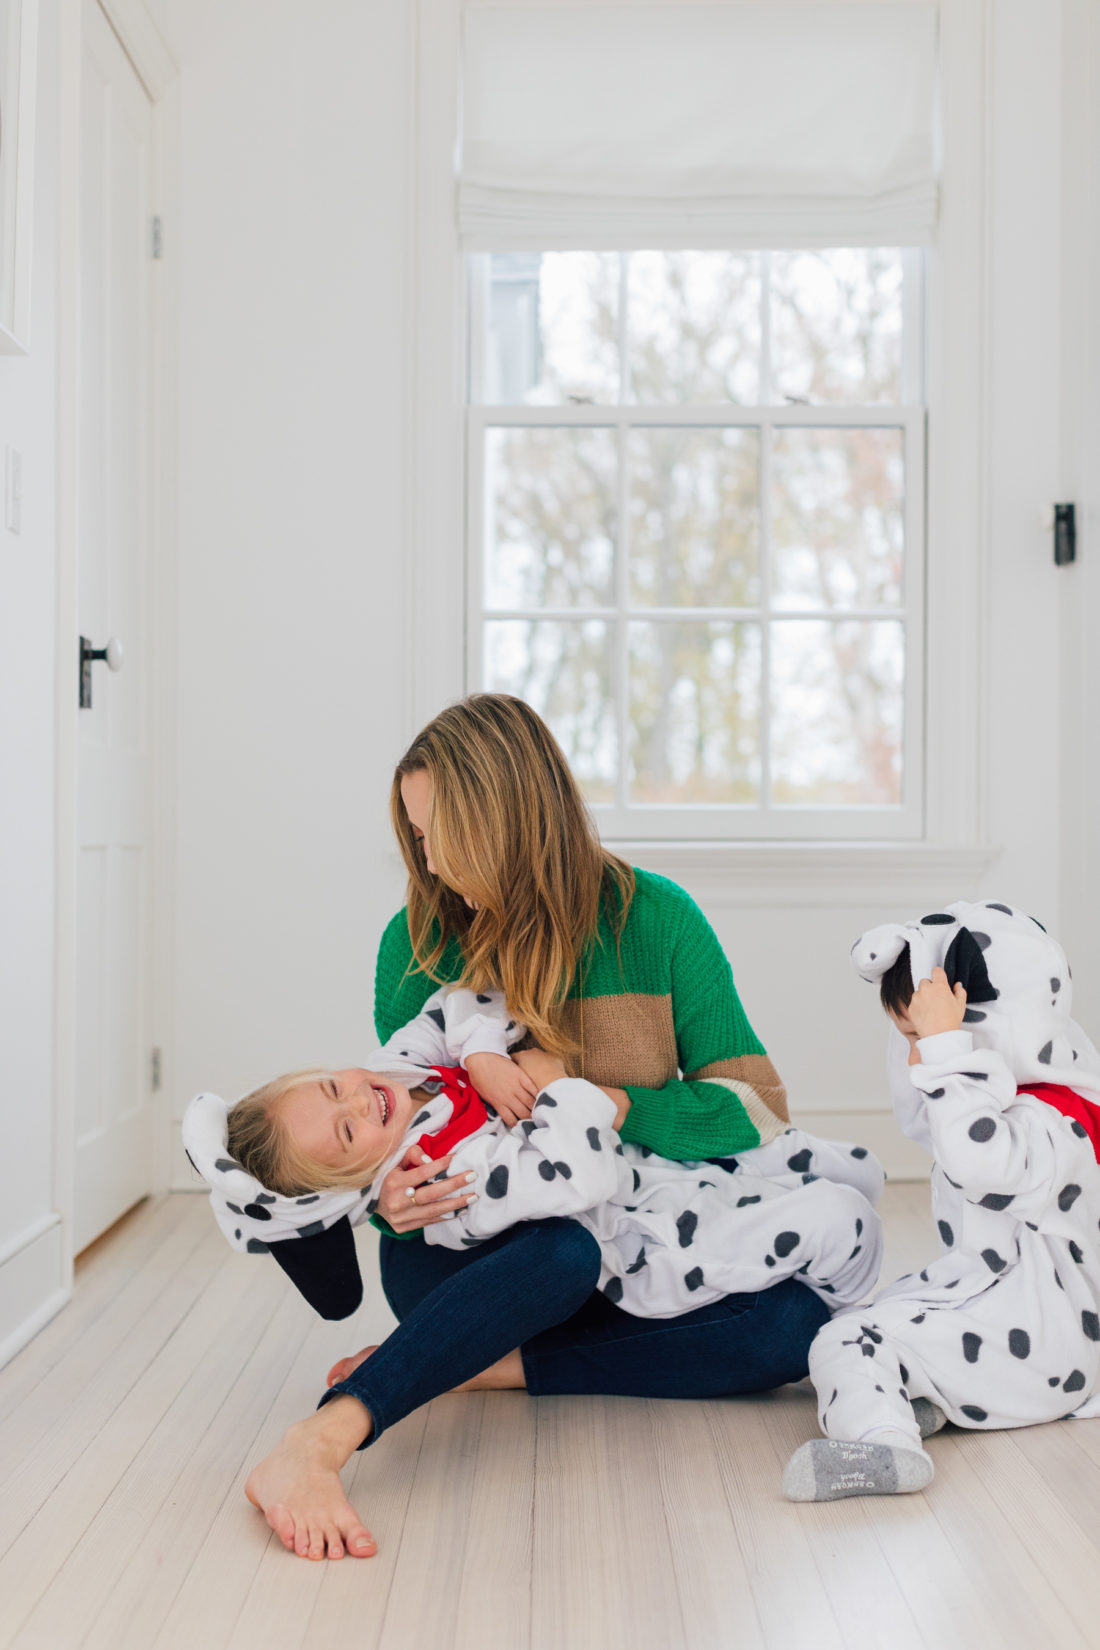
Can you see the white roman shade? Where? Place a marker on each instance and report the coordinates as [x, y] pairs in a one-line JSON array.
[[626, 125]]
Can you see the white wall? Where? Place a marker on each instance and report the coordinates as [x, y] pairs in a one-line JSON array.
[[30, 1249], [296, 246], [293, 192]]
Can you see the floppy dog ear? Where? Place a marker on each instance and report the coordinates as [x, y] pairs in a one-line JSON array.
[[875, 951], [964, 965]]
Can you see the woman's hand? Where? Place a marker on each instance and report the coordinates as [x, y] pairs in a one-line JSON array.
[[427, 1203], [540, 1067], [509, 1091]]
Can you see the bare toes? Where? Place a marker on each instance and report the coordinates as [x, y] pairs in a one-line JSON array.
[[282, 1523], [358, 1540], [347, 1366]]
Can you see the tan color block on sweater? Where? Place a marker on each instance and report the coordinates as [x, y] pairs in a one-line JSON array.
[[756, 1074], [628, 1040]]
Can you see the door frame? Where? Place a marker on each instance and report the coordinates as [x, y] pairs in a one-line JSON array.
[[157, 71]]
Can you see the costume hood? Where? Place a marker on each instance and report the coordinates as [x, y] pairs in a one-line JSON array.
[[251, 1216], [1018, 993]]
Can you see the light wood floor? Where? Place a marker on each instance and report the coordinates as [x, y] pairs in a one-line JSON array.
[[128, 1426]]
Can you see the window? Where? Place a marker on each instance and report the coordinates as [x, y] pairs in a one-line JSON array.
[[695, 532]]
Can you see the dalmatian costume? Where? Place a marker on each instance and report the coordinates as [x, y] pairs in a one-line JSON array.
[[674, 1236], [1003, 1329]]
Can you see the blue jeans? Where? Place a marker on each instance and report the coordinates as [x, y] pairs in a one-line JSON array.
[[533, 1287]]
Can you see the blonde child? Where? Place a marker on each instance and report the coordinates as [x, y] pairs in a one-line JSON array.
[[305, 1157]]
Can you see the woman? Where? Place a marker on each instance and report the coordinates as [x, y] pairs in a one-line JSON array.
[[616, 972]]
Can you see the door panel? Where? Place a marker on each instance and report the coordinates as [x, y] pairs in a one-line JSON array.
[[114, 1106]]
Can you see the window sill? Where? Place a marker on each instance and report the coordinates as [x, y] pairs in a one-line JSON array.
[[815, 873]]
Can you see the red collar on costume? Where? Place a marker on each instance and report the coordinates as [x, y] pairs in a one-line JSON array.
[[467, 1115], [1070, 1104]]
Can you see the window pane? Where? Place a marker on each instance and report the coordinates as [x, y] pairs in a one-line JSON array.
[[838, 518], [836, 325], [694, 712], [550, 517], [694, 517], [566, 672], [552, 328], [693, 325], [836, 697]]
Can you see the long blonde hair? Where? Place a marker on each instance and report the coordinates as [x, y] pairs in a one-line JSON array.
[[261, 1143], [508, 826]]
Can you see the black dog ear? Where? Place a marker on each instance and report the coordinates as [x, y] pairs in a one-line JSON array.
[[964, 965]]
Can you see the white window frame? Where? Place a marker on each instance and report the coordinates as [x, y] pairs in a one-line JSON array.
[[953, 848], [763, 819]]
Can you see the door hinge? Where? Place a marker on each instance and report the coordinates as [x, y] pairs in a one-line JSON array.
[[155, 1070], [158, 238]]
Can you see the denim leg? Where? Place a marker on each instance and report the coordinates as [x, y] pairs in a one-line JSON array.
[[520, 1283], [411, 1268], [744, 1343]]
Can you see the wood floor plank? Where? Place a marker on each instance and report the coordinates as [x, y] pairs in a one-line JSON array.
[[89, 1388], [1067, 1458], [35, 1558], [434, 1547], [493, 1604], [862, 1589], [602, 1567], [1023, 1473], [712, 1576], [141, 1238], [791, 1601], [1017, 1597], [220, 1454]]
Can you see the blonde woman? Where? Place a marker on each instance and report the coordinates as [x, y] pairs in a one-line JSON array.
[[621, 980]]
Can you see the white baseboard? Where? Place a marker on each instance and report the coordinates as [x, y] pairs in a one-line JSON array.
[[31, 1293], [878, 1131]]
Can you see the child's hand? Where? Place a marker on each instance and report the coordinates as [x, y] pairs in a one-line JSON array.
[[935, 1007], [509, 1091], [540, 1067]]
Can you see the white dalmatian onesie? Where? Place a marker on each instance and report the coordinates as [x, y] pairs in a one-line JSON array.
[[674, 1236], [1003, 1329]]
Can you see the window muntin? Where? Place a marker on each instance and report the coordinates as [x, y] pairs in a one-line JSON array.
[[714, 599]]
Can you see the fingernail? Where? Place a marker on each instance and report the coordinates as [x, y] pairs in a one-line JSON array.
[[472, 1197], [471, 1176]]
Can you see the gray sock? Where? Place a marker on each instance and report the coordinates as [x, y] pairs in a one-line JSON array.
[[828, 1469], [929, 1416]]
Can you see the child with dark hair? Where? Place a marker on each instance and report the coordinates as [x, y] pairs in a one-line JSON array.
[[991, 1075]]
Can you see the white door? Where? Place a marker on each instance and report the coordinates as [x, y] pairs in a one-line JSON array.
[[114, 1134]]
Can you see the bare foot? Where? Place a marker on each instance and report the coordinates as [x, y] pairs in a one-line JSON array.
[[340, 1371], [500, 1377], [507, 1375], [298, 1489]]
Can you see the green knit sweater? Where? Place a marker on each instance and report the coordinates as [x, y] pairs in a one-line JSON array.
[[659, 1016]]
